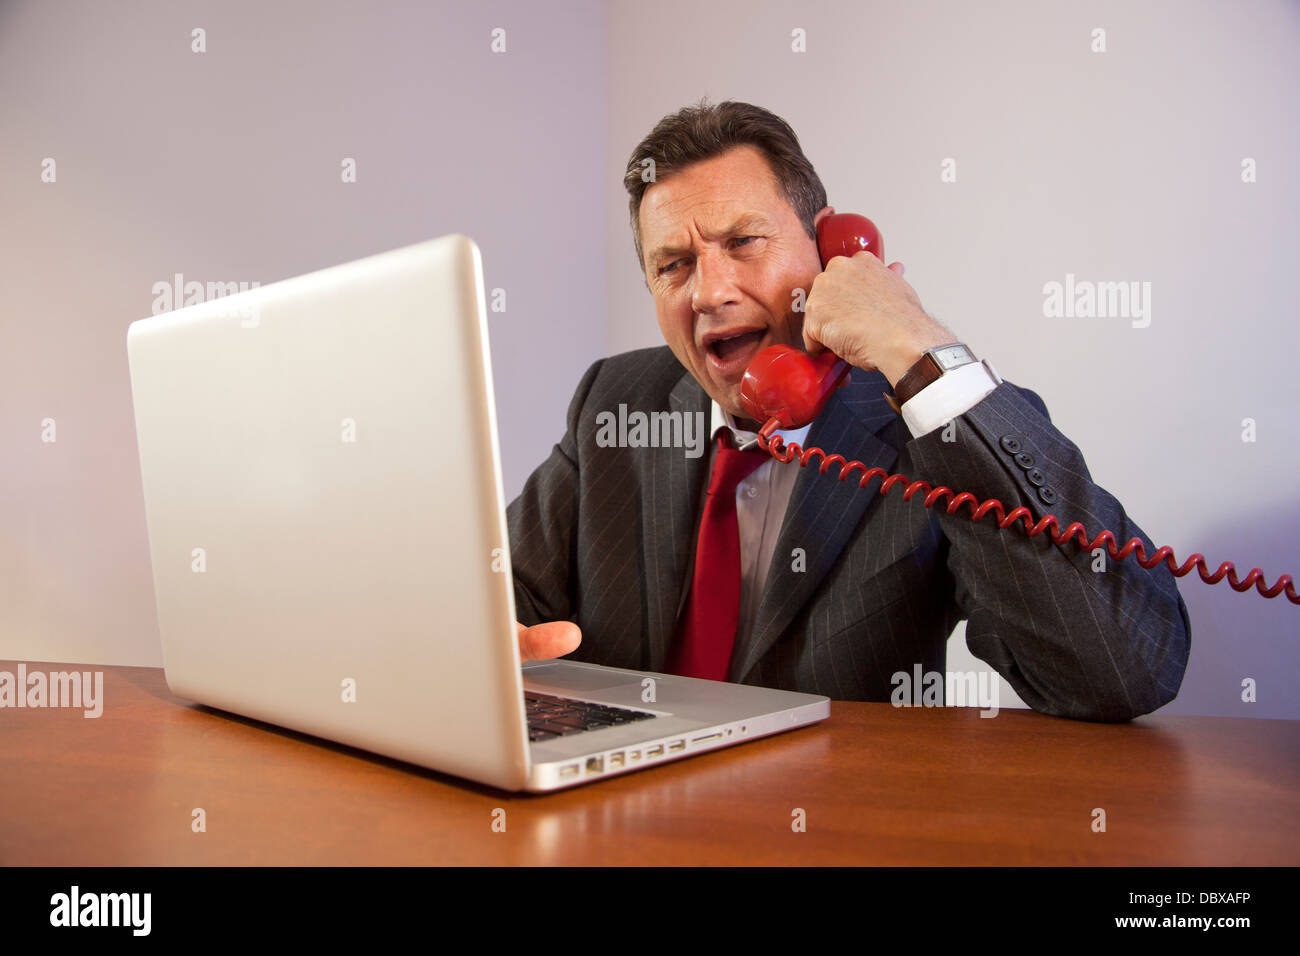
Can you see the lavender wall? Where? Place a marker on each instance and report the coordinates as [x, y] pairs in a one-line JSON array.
[[225, 166]]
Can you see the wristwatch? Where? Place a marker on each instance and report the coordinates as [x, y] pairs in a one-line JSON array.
[[931, 366]]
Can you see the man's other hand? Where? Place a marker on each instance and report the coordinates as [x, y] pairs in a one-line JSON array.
[[543, 641]]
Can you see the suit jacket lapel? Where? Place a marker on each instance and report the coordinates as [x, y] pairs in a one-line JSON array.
[[823, 511], [675, 483]]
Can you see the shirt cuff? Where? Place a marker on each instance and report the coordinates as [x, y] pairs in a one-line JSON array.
[[947, 397]]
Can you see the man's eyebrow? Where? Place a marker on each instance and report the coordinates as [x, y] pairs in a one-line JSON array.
[[745, 223]]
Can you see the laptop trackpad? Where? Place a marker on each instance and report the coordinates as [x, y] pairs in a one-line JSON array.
[[571, 677]]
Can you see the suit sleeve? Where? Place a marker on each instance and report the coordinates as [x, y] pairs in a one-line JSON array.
[[1075, 635], [543, 525]]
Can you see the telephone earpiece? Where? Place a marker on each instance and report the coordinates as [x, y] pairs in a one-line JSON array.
[[785, 383], [846, 234]]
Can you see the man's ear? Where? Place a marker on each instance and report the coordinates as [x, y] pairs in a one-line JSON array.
[[827, 211]]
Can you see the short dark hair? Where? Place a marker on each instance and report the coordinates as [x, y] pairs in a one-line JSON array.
[[696, 133]]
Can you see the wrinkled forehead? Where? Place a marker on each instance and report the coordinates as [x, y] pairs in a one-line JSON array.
[[738, 176], [710, 198]]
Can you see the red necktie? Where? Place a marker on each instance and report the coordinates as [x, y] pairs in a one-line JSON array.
[[708, 629]]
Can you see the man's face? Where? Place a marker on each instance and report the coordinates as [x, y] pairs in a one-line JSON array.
[[724, 252]]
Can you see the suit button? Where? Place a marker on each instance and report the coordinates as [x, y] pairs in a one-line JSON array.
[[1046, 495], [1025, 460], [1010, 444], [1036, 477]]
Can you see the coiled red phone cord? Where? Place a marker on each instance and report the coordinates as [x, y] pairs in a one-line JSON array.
[[775, 445]]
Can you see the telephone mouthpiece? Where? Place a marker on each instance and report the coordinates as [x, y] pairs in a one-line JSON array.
[[790, 385]]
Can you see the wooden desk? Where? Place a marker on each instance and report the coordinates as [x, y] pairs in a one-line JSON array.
[[879, 785]]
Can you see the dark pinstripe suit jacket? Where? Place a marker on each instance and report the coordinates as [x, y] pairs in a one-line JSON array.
[[605, 537]]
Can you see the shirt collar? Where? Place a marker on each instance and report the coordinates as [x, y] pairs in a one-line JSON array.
[[746, 440]]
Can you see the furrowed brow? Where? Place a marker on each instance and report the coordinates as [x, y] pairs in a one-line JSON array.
[[744, 224]]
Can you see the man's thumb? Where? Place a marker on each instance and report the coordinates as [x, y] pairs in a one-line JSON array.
[[551, 639]]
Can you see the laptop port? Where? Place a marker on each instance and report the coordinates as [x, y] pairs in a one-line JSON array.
[[633, 755], [595, 765], [616, 760], [700, 740], [656, 751], [571, 770], [677, 745]]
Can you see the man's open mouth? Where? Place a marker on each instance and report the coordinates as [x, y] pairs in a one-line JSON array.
[[727, 349]]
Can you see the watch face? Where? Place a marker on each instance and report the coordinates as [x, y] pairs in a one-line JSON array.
[[951, 356]]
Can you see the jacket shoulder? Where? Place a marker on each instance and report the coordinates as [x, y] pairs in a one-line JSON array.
[[647, 374]]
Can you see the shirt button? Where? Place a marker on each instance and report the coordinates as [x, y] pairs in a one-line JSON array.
[[752, 492]]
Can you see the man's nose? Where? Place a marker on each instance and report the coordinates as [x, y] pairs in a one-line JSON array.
[[715, 282]]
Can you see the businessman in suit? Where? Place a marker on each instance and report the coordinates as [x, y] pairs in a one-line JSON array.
[[628, 556]]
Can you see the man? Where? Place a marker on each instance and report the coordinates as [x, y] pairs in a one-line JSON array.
[[840, 588]]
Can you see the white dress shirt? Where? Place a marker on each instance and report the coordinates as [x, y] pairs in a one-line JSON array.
[[762, 498]]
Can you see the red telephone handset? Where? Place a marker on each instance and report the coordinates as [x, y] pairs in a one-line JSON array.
[[785, 383], [785, 387]]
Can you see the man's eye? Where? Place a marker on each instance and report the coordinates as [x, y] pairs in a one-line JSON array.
[[672, 266]]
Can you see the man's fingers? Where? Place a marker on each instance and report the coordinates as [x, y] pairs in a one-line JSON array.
[[897, 267], [544, 641]]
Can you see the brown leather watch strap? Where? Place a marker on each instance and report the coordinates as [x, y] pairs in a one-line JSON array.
[[924, 371]]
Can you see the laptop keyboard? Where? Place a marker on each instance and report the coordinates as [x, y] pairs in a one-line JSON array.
[[550, 716]]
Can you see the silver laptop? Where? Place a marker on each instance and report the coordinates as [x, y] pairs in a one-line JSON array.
[[322, 484]]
